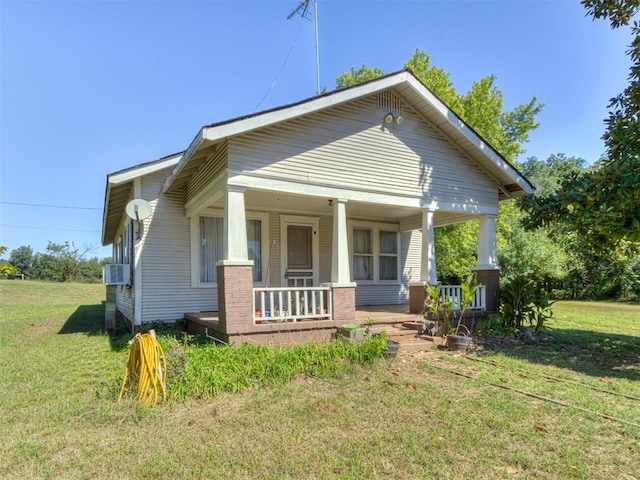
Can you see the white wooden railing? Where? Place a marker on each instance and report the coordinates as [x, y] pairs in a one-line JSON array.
[[291, 304], [454, 293]]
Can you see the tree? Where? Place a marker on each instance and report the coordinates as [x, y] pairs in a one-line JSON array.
[[22, 258], [355, 76], [67, 259], [5, 267], [547, 174], [604, 204]]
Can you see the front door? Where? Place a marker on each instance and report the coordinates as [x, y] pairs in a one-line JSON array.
[[300, 251]]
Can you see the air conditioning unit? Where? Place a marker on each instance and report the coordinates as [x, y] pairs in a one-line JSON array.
[[116, 274]]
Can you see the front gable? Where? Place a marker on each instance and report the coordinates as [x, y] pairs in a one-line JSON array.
[[342, 140], [351, 146]]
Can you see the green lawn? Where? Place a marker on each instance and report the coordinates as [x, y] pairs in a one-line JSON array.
[[439, 416]]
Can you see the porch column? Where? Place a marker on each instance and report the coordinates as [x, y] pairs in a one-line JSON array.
[[417, 293], [343, 290], [234, 244], [235, 271], [487, 243], [340, 272], [487, 269]]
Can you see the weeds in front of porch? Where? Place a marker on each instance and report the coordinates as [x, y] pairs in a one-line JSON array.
[[203, 371]]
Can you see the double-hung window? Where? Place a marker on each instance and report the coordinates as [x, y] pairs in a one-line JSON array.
[[375, 253], [210, 236]]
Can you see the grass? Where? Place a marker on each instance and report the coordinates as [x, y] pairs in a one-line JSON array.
[[408, 418]]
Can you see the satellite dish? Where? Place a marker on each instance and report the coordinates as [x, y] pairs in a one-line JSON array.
[[138, 209]]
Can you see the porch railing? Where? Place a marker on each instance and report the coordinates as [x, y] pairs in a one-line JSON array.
[[454, 293], [291, 304]]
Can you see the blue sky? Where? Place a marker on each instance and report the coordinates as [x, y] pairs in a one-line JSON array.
[[91, 87]]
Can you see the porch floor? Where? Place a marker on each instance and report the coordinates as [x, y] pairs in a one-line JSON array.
[[380, 314], [385, 317]]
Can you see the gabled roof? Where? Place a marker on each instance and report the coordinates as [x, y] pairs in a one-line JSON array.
[[510, 181], [120, 190]]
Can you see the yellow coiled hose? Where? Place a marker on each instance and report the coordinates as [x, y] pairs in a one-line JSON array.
[[146, 368]]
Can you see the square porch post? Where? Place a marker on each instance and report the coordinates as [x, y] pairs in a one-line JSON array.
[[488, 269], [235, 270], [343, 289], [417, 293]]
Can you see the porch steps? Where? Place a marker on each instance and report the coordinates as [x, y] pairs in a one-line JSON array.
[[407, 338]]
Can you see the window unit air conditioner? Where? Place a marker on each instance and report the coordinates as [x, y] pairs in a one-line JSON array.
[[116, 274]]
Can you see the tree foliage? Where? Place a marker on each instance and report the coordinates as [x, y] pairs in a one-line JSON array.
[[22, 258], [61, 262], [357, 75], [603, 204], [6, 268]]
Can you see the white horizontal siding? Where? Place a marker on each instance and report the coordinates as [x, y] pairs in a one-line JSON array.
[[166, 266], [381, 294], [125, 301], [351, 146]]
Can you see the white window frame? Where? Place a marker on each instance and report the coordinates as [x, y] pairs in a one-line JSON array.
[[194, 227], [123, 248], [375, 228]]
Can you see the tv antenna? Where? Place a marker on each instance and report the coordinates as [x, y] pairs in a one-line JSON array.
[[303, 10]]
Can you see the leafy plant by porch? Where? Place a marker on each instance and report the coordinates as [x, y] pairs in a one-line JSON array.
[[444, 309], [523, 302]]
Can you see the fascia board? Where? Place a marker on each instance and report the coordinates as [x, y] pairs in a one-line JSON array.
[[193, 146], [129, 175], [218, 132], [454, 124], [107, 194]]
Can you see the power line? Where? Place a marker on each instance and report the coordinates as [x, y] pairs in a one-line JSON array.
[[50, 206], [50, 229]]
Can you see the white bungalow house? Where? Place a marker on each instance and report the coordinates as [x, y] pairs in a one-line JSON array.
[[277, 226]]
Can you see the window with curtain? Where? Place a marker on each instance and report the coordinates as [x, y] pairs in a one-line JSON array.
[[388, 255], [211, 231], [254, 247], [362, 255]]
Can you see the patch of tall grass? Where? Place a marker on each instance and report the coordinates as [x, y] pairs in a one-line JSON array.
[[203, 370]]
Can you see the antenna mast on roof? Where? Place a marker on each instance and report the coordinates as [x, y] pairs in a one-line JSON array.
[[303, 10]]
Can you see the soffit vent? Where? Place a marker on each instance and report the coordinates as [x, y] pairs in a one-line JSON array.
[[390, 103]]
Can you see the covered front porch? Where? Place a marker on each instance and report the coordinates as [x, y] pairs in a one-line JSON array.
[[310, 264], [302, 324]]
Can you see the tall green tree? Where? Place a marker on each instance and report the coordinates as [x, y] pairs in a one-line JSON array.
[[22, 258], [604, 204]]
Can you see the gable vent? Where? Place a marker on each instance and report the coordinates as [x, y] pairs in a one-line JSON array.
[[390, 103]]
